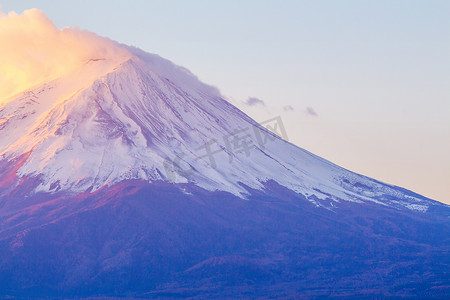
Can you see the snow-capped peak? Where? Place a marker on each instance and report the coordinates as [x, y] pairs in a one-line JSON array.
[[146, 118]]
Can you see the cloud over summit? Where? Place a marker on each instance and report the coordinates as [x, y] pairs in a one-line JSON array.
[[33, 50]]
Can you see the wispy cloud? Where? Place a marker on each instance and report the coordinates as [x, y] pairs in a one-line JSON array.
[[33, 49], [311, 111], [252, 101], [288, 108]]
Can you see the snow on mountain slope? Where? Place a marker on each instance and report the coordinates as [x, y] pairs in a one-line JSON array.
[[145, 118], [20, 113]]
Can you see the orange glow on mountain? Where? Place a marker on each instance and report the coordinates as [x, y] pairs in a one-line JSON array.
[[34, 50]]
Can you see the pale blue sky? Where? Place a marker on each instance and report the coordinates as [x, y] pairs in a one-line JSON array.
[[377, 73]]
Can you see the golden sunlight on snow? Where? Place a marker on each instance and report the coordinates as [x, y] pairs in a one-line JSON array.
[[34, 50]]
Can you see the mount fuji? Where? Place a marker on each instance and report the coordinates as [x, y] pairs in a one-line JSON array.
[[128, 177]]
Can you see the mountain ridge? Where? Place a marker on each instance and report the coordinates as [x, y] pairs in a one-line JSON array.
[[138, 182], [133, 123]]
